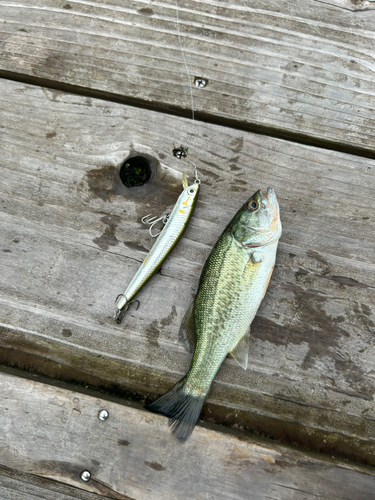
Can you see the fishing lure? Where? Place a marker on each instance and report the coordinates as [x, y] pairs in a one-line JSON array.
[[170, 235], [232, 286]]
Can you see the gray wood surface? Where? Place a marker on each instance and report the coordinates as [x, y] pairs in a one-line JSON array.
[[16, 485], [304, 68], [131, 455], [71, 239]]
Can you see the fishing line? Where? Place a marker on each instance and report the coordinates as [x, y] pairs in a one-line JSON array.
[[187, 72]]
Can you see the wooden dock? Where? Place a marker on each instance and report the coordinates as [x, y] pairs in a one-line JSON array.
[[289, 103]]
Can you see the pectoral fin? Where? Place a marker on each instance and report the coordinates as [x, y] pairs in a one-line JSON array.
[[256, 257], [186, 335], [241, 352], [184, 181]]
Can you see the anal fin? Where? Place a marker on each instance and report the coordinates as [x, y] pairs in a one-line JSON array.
[[186, 335], [241, 352]]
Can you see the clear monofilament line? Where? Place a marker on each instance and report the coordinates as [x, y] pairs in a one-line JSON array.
[[187, 71]]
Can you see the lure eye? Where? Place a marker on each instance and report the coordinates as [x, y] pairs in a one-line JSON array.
[[252, 205], [191, 191]]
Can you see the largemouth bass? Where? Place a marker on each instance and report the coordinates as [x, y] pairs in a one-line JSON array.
[[168, 239], [232, 286]]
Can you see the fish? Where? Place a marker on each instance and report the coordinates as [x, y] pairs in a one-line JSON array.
[[167, 240], [232, 285]]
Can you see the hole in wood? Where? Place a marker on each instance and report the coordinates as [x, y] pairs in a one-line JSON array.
[[135, 171]]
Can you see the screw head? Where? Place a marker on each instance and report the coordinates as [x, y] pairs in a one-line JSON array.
[[103, 415], [85, 476], [200, 82], [180, 152]]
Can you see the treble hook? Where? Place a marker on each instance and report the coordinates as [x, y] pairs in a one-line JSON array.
[[120, 313], [153, 220]]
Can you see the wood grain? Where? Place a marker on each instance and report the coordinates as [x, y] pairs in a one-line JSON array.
[[16, 485], [303, 69], [71, 239], [131, 455]]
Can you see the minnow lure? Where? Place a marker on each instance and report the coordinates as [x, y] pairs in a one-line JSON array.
[[232, 286], [170, 235]]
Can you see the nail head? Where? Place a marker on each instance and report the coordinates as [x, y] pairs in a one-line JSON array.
[[85, 476], [103, 415]]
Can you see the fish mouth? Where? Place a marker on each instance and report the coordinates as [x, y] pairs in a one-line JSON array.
[[272, 203], [270, 196]]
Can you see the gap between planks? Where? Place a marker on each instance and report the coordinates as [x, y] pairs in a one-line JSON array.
[[53, 222], [56, 434], [199, 116], [304, 68]]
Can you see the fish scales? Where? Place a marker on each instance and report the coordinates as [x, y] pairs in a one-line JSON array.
[[230, 292], [232, 286]]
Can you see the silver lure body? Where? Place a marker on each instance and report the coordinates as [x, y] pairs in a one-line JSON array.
[[167, 240]]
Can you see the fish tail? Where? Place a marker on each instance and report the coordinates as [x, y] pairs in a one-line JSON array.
[[182, 408]]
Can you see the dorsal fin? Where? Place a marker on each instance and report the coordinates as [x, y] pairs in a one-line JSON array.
[[186, 335], [184, 181], [241, 352]]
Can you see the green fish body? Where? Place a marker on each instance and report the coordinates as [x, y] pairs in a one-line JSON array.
[[232, 286]]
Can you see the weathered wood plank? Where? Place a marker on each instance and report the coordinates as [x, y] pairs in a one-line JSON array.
[[304, 68], [55, 433], [71, 239], [16, 485]]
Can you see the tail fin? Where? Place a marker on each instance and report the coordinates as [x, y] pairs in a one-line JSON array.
[[182, 408]]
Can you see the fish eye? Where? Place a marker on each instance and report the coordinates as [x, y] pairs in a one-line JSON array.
[[252, 205], [191, 191]]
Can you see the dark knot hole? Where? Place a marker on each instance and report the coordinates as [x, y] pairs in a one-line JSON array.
[[135, 171]]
